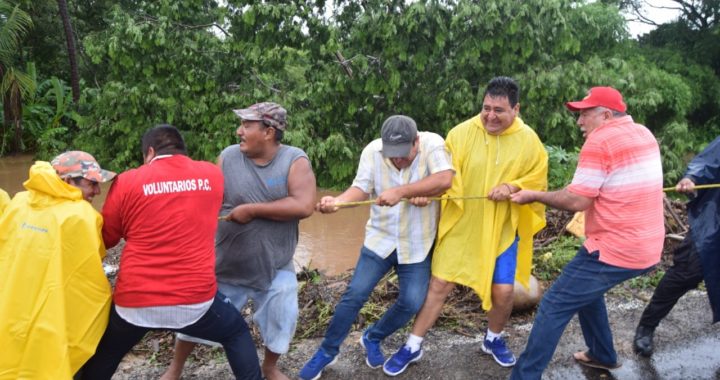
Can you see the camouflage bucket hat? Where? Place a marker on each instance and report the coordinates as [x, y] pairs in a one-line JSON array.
[[270, 113], [77, 163]]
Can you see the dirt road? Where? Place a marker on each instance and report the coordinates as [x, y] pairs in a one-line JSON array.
[[688, 347]]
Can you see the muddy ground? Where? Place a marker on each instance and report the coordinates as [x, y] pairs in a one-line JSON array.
[[688, 347]]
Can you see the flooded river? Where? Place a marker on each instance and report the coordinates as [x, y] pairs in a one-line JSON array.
[[329, 243]]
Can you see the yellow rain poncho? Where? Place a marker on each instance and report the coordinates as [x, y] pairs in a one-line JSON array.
[[54, 296], [4, 200], [472, 233]]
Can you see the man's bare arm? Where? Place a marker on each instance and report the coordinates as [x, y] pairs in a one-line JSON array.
[[561, 199], [299, 203]]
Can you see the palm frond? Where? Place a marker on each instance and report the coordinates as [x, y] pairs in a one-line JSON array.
[[17, 83], [14, 25]]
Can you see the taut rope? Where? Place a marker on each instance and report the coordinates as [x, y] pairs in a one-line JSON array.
[[468, 197]]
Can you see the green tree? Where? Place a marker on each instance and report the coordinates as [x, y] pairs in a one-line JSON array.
[[72, 53], [432, 59], [48, 116], [688, 48], [46, 45], [189, 62], [163, 64], [15, 85]]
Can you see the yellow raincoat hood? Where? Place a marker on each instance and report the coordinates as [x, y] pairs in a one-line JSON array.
[[54, 296], [473, 233]]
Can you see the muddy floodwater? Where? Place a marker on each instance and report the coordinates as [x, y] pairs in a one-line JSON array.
[[329, 243], [13, 172]]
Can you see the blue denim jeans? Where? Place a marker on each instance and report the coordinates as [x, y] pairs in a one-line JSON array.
[[221, 323], [580, 289], [413, 282]]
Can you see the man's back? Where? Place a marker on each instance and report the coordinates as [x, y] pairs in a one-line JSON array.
[[167, 211], [54, 297]]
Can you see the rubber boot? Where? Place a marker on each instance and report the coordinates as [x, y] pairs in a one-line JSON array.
[[643, 342]]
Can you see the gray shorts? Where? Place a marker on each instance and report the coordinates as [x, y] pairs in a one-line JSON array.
[[276, 310]]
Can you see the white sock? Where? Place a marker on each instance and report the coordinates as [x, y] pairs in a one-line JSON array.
[[414, 342], [492, 336]]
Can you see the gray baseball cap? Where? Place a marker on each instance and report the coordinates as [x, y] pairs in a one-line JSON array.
[[398, 135]]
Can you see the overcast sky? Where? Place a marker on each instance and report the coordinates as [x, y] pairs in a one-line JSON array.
[[660, 16]]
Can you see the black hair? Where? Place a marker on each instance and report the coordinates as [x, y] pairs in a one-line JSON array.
[[505, 87], [164, 139], [278, 133]]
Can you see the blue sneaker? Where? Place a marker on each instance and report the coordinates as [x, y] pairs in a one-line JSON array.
[[499, 351], [400, 360], [313, 368], [374, 356]]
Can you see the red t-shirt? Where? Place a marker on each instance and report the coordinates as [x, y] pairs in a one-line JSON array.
[[167, 212], [619, 166]]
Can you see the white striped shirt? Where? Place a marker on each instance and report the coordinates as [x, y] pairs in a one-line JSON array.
[[409, 229], [169, 317]]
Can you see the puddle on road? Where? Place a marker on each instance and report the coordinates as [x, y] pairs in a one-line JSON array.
[[697, 359], [692, 359]]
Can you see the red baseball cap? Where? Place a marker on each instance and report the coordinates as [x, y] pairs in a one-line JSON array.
[[607, 97]]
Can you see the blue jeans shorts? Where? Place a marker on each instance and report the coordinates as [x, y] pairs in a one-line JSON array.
[[505, 265], [275, 310]]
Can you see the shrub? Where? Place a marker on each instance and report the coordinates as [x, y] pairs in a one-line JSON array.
[[561, 166], [549, 262]]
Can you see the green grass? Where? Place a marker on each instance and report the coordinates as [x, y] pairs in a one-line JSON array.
[[550, 260], [646, 281]]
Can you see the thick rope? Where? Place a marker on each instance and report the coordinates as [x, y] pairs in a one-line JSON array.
[[372, 201], [697, 187]]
